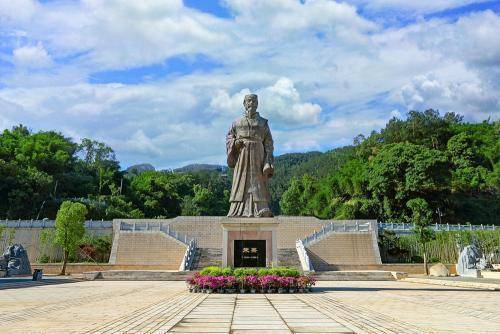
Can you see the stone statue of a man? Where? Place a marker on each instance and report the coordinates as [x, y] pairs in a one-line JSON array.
[[249, 147]]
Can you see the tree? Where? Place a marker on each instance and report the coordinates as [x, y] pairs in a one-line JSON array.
[[159, 194], [422, 217], [402, 171], [100, 159], [69, 228]]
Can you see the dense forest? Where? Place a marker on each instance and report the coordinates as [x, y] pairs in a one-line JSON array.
[[451, 164]]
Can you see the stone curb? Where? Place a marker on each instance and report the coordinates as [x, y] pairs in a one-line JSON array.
[[469, 285]]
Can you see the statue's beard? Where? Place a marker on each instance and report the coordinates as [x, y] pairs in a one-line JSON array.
[[250, 112]]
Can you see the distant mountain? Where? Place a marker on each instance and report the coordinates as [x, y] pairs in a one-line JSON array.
[[201, 168], [138, 169]]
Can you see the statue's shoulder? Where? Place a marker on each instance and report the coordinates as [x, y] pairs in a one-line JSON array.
[[240, 120], [262, 120]]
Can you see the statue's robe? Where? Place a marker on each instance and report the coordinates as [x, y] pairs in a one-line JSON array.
[[249, 192]]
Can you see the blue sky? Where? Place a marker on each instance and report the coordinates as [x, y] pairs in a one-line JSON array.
[[161, 81]]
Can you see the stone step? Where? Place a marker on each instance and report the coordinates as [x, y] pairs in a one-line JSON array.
[[137, 275], [161, 275], [359, 275], [205, 257], [288, 257]]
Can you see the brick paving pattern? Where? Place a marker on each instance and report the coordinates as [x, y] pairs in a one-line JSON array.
[[165, 307]]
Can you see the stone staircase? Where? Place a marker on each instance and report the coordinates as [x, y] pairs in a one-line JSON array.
[[333, 245], [288, 257], [149, 248], [205, 257]]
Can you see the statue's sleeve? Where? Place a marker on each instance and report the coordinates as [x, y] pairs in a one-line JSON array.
[[268, 145], [232, 154]]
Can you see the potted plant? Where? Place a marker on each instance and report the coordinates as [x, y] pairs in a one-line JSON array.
[[252, 282], [221, 284], [302, 283], [268, 283], [241, 283], [282, 284], [230, 283], [191, 282], [292, 284], [311, 280], [212, 284]]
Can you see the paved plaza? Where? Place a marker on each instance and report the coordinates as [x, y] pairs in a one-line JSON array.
[[160, 307]]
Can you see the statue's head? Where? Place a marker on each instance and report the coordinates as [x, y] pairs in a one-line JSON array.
[[251, 102]]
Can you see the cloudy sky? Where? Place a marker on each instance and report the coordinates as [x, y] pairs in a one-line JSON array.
[[161, 81]]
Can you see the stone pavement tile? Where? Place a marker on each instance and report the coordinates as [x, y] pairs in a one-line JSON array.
[[416, 307], [336, 307], [264, 331], [300, 317]]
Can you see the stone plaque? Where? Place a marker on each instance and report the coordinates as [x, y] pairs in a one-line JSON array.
[[249, 253]]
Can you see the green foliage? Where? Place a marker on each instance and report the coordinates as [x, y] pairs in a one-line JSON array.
[[452, 165], [100, 159], [444, 248], [69, 226], [216, 271], [240, 272], [94, 248], [43, 259]]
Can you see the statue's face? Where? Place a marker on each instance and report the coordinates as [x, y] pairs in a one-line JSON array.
[[250, 104]]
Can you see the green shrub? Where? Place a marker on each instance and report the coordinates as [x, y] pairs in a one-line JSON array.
[[227, 271], [241, 272], [250, 271], [263, 272], [44, 259], [211, 271], [238, 272], [290, 272]]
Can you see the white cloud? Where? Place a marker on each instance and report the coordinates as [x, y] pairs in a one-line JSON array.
[[31, 56], [426, 91], [413, 7], [283, 104], [323, 72]]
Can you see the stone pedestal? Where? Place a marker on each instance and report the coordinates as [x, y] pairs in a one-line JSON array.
[[234, 229]]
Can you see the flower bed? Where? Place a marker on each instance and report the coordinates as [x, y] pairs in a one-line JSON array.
[[243, 280]]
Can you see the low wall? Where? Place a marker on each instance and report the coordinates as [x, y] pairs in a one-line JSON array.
[[409, 268], [29, 237], [78, 268]]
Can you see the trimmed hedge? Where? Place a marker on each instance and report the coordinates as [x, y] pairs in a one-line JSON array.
[[241, 272]]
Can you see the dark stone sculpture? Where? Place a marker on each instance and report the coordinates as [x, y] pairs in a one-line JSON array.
[[15, 260], [249, 147]]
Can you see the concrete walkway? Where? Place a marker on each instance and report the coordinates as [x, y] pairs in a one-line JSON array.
[[160, 307]]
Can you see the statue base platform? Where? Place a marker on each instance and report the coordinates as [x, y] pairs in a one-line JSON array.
[[249, 242]]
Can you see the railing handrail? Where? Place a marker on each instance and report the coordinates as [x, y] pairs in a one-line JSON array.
[[333, 227], [187, 261], [305, 262], [395, 226], [155, 227], [49, 223]]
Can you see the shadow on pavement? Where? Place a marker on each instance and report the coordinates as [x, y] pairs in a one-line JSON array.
[[361, 289], [27, 282]]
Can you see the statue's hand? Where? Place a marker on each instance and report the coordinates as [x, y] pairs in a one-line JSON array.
[[268, 170], [239, 143]]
